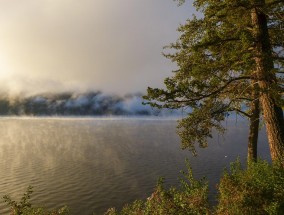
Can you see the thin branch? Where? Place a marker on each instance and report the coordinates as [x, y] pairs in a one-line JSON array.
[[200, 97], [241, 112], [243, 98], [226, 85], [274, 2], [278, 58]]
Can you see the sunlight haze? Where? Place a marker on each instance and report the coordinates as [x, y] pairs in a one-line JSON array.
[[57, 45]]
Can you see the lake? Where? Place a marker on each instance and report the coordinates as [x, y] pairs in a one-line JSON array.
[[92, 164]]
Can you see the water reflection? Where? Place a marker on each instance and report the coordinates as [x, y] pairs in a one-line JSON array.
[[93, 164]]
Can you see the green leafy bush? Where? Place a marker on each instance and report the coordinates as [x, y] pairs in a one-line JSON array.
[[24, 207], [258, 189], [190, 198]]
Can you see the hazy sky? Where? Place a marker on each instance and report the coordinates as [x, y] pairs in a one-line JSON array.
[[113, 46]]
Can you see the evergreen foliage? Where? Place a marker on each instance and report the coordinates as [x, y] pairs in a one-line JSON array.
[[74, 104], [224, 65]]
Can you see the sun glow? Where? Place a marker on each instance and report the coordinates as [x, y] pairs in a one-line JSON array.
[[4, 70]]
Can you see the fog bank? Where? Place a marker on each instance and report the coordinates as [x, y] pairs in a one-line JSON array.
[[93, 103]]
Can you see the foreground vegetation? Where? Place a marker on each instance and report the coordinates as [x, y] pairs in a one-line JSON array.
[[24, 207], [257, 189]]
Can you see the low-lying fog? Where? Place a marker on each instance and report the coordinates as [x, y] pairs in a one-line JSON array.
[[83, 104]]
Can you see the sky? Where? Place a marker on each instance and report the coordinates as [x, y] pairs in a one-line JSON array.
[[70, 45]]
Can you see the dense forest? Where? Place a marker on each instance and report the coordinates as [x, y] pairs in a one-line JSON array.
[[81, 104]]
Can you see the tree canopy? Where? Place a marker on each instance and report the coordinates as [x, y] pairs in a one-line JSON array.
[[227, 60]]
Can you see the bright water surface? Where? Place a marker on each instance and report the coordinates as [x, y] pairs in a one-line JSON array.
[[92, 164]]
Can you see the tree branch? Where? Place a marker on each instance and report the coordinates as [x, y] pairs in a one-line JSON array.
[[274, 2], [240, 111], [278, 58], [224, 86]]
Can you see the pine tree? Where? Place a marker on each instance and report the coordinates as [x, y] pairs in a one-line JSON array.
[[230, 60]]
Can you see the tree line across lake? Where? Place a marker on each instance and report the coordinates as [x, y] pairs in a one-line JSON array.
[[82, 104]]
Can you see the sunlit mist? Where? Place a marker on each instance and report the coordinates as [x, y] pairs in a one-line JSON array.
[[116, 46]]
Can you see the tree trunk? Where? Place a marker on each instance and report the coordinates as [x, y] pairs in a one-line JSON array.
[[273, 114], [254, 126]]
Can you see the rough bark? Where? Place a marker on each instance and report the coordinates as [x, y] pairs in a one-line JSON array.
[[273, 114], [254, 126]]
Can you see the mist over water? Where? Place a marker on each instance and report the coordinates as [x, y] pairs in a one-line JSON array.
[[75, 103], [92, 164]]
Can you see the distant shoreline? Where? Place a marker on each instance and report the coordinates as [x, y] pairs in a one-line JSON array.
[[106, 117]]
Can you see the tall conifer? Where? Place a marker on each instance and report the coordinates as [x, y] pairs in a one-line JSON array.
[[229, 60]]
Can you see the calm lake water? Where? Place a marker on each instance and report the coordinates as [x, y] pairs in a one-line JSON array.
[[92, 164]]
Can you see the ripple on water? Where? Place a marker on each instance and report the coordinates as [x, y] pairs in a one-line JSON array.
[[93, 164]]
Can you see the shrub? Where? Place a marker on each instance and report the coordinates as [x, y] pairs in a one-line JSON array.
[[190, 198], [24, 207], [258, 189]]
